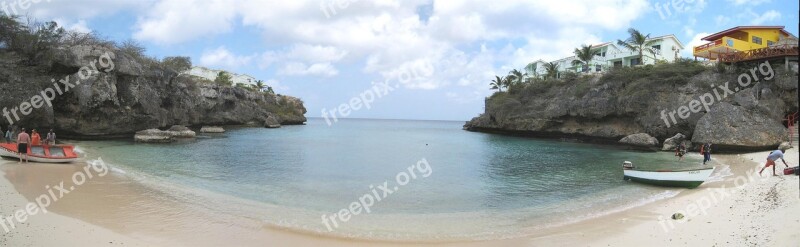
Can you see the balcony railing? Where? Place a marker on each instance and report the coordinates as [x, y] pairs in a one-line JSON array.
[[708, 45], [760, 53]]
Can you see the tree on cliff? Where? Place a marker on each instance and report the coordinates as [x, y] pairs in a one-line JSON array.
[[638, 42], [498, 83], [223, 79], [515, 77], [551, 69], [260, 85], [585, 56]]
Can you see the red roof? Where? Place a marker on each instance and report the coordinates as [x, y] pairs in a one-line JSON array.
[[718, 35]]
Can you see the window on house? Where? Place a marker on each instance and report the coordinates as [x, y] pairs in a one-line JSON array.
[[657, 47], [756, 40], [770, 42], [635, 61], [597, 68], [618, 64]]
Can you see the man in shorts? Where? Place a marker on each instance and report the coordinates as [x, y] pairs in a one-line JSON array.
[[773, 156], [23, 140]]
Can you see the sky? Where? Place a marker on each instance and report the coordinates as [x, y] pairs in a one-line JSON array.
[[438, 56]]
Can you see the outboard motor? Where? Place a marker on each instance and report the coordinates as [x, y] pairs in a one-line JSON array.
[[627, 165]]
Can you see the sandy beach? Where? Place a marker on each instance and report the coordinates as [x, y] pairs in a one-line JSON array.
[[757, 212]]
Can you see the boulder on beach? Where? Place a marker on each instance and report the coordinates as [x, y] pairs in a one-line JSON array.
[[272, 122], [640, 139], [180, 131], [730, 125], [785, 146], [154, 136], [673, 142], [212, 129]]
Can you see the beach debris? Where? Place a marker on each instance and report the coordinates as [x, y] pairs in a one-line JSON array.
[[640, 139], [677, 216], [212, 129]]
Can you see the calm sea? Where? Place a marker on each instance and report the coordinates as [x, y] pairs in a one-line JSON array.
[[479, 186]]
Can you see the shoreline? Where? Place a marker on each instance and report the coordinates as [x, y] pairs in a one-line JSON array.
[[625, 226]]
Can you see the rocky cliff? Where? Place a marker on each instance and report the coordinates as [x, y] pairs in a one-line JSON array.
[[639, 100], [127, 94]]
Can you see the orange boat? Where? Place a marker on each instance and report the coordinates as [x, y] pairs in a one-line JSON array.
[[41, 153]]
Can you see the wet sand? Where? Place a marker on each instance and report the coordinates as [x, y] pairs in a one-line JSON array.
[[116, 209]]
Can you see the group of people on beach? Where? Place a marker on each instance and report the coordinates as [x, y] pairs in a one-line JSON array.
[[25, 140], [705, 149]]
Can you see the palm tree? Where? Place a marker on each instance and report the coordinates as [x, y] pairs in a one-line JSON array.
[[515, 77], [260, 85], [638, 42], [498, 83], [551, 69], [585, 56]]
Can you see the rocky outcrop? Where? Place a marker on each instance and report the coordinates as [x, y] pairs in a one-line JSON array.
[[729, 125], [272, 122], [640, 139], [179, 131], [154, 136], [640, 100], [133, 95], [673, 142], [212, 129]]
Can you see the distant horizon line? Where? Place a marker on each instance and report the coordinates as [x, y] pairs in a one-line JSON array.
[[401, 119]]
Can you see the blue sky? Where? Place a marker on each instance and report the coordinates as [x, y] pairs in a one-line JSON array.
[[329, 51]]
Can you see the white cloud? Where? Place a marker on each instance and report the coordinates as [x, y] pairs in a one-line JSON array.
[[722, 20], [301, 69], [748, 2], [222, 57], [768, 16], [79, 26], [176, 21]]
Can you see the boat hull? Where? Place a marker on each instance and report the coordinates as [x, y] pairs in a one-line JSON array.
[[681, 178], [65, 155]]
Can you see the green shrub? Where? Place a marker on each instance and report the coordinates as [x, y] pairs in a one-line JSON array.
[[178, 64], [223, 79]]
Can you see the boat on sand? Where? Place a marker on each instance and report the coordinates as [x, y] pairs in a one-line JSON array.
[[684, 178], [41, 153]]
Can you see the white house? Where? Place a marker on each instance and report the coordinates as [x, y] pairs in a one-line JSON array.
[[211, 74], [610, 54]]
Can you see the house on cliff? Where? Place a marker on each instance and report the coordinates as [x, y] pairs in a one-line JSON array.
[[666, 48], [748, 43]]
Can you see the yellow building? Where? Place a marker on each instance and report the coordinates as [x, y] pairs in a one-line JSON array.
[[747, 43]]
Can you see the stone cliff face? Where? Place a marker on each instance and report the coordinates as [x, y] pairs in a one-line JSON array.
[[130, 96], [631, 101]]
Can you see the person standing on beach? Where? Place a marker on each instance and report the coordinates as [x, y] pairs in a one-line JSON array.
[[680, 151], [51, 138], [23, 139], [705, 149], [772, 157], [36, 139], [8, 135]]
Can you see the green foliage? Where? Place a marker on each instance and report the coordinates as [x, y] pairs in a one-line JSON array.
[[638, 42], [73, 38], [570, 76], [551, 70], [223, 79], [178, 64], [581, 88], [585, 54]]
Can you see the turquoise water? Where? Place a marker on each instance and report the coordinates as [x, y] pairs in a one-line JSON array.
[[480, 186]]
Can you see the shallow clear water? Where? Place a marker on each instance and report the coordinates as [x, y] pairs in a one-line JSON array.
[[480, 186]]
